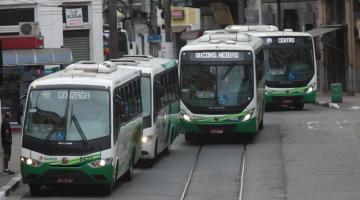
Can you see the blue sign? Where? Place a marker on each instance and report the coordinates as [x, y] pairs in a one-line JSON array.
[[154, 38], [60, 136], [291, 76], [222, 99]]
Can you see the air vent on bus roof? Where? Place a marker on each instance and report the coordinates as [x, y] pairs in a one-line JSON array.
[[124, 62], [137, 56], [92, 67]]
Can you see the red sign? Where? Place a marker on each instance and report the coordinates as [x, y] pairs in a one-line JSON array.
[[22, 42], [177, 14]]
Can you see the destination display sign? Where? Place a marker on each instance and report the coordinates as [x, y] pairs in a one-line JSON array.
[[291, 41], [217, 56]]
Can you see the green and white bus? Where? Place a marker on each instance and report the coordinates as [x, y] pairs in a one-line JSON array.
[[290, 63], [160, 95], [83, 125], [221, 85]]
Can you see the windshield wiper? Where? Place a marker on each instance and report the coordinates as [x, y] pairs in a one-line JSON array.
[[78, 126], [56, 128]]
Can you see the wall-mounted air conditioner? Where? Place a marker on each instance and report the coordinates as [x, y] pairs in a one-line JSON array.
[[29, 28]]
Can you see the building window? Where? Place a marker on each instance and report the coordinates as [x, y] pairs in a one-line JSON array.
[[9, 17], [84, 12]]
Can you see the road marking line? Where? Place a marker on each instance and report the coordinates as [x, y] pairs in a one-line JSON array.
[[355, 108], [313, 125], [242, 177]]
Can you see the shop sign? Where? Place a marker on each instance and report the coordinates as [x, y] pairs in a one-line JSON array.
[[177, 14], [154, 38], [74, 17]]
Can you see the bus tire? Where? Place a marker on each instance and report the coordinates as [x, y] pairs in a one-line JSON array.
[[34, 189], [129, 173], [106, 189], [168, 148], [299, 106]]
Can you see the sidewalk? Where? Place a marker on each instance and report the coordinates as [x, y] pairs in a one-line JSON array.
[[349, 102], [9, 183]]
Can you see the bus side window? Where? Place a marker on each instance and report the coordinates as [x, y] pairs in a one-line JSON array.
[[129, 104], [259, 66], [131, 99], [117, 112], [158, 95], [177, 86], [138, 96], [124, 107]]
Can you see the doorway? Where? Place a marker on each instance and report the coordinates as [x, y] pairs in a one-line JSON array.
[[291, 20]]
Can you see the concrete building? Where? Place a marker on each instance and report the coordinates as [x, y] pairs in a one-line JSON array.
[[299, 15], [338, 35], [70, 30], [75, 24]]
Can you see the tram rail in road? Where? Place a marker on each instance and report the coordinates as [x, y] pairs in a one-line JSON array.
[[195, 166], [191, 174]]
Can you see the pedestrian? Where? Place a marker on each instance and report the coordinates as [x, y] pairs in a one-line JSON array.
[[6, 140]]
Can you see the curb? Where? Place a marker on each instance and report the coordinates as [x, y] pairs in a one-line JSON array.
[[327, 104], [10, 186]]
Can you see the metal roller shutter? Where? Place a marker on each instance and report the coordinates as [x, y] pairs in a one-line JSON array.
[[78, 42]]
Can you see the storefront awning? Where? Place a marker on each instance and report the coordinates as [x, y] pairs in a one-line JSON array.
[[191, 35], [323, 30], [179, 29], [48, 56]]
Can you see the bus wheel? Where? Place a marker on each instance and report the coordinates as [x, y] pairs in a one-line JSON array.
[[168, 148], [107, 189], [34, 189], [299, 106]]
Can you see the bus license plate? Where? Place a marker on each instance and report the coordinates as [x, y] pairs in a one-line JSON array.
[[287, 101], [65, 180], [216, 131]]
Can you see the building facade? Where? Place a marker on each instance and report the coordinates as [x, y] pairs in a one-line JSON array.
[[75, 24], [339, 25], [69, 31]]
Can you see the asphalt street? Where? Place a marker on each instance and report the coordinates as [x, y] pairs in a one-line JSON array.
[[300, 155]]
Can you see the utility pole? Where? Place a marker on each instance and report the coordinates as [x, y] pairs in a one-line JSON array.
[[131, 18], [167, 18], [241, 12], [154, 47], [279, 14], [113, 38]]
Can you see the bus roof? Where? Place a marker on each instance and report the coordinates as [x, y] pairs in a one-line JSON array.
[[253, 27], [224, 40], [279, 34], [258, 32], [147, 64], [88, 73]]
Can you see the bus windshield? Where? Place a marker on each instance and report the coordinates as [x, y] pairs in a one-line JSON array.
[[216, 85], [289, 60], [67, 115]]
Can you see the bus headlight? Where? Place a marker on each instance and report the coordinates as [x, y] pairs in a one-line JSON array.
[[30, 162], [309, 90], [248, 115], [145, 139], [186, 117], [100, 163]]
